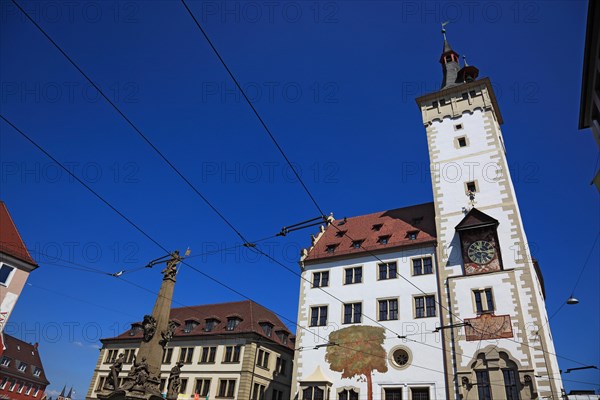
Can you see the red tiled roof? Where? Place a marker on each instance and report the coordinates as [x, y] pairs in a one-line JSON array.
[[10, 240], [394, 224], [18, 350], [251, 314]]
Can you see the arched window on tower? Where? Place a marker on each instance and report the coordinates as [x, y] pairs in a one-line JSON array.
[[489, 369]]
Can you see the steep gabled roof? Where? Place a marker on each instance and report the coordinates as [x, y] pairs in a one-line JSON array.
[[250, 313], [22, 352], [10, 240], [476, 219], [395, 225]]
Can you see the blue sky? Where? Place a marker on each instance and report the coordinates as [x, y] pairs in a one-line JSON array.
[[335, 82]]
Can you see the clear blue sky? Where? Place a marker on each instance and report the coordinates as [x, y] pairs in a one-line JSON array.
[[335, 82]]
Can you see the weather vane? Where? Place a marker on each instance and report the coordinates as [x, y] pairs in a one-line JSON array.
[[444, 28]]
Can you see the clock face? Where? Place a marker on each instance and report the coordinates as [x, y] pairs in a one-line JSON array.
[[481, 252]]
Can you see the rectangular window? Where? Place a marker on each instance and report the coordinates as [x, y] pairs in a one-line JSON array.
[[353, 275], [163, 385], [232, 354], [419, 393], [232, 323], [186, 354], [129, 354], [226, 388], [281, 366], [462, 141], [471, 187], [484, 303], [352, 313], [388, 309], [510, 384], [388, 270], [422, 266], [37, 371], [22, 367], [167, 355], [483, 385], [111, 356], [202, 387], [263, 359], [28, 390], [320, 279], [101, 381], [36, 392], [258, 392], [208, 355], [424, 306], [183, 388], [5, 273], [318, 316], [393, 394], [5, 361], [3, 383]]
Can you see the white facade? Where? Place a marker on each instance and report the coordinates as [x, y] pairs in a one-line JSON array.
[[425, 365]]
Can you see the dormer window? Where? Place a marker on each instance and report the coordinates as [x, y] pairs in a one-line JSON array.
[[377, 227], [412, 235], [357, 243], [331, 248], [384, 239], [232, 323], [189, 326], [283, 336], [267, 328], [210, 324], [22, 367], [135, 329], [340, 233]]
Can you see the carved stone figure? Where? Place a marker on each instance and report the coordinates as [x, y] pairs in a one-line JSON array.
[[138, 375], [167, 334], [112, 380], [171, 270], [174, 385], [149, 326]]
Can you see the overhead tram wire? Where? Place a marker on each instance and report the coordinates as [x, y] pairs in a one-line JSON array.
[[155, 148], [137, 130], [283, 153], [260, 119]]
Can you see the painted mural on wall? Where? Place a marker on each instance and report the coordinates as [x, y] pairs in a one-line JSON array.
[[359, 353]]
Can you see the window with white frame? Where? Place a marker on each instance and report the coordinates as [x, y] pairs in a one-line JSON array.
[[353, 275], [226, 388], [320, 279], [388, 270], [425, 306], [208, 355], [318, 316], [202, 387], [258, 391], [232, 354], [186, 354], [388, 309], [6, 272], [422, 265], [352, 313], [262, 360], [313, 393], [484, 302]]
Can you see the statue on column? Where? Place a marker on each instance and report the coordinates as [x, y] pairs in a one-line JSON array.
[[112, 381], [174, 385], [171, 270]]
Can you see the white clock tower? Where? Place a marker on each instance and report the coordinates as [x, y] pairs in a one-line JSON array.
[[498, 342]]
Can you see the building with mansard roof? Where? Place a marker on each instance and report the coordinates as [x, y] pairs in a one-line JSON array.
[[22, 375], [434, 301], [235, 350]]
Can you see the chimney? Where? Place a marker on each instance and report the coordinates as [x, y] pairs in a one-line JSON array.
[[35, 346]]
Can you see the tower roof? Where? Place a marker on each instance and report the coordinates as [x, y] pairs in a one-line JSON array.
[[10, 240], [70, 392]]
